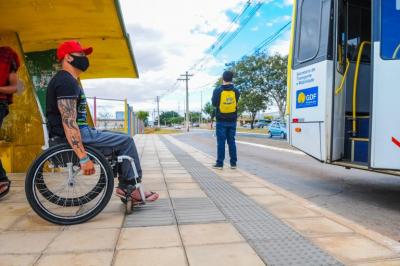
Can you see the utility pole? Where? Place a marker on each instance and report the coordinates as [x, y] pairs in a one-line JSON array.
[[158, 112], [187, 75]]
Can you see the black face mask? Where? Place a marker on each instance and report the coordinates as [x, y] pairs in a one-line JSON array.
[[80, 62]]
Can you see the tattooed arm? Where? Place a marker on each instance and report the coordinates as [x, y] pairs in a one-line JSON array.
[[68, 112]]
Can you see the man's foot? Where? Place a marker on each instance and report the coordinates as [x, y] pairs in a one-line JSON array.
[[233, 166], [217, 166], [150, 196], [4, 187]]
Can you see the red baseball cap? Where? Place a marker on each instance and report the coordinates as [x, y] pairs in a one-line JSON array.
[[71, 47]]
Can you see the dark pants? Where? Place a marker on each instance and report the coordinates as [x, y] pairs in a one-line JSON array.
[[226, 132], [121, 143], [3, 114]]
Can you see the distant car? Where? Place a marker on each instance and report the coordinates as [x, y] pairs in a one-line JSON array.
[[277, 128], [246, 126], [178, 127], [196, 125], [262, 123]]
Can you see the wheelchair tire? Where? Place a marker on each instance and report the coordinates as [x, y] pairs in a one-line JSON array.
[[31, 184]]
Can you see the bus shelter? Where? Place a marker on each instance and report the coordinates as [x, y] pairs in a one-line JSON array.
[[34, 29]]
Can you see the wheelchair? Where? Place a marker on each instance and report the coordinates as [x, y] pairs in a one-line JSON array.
[[60, 193]]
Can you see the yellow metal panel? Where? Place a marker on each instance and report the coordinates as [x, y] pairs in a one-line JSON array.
[[22, 128], [290, 59], [43, 25]]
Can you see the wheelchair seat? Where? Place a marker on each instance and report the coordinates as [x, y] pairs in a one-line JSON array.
[[53, 141]]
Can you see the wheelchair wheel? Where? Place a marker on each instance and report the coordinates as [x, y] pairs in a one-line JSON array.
[[58, 191]]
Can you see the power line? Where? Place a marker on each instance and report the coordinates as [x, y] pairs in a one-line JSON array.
[[261, 46], [228, 30], [223, 34], [228, 38], [232, 36], [270, 39], [238, 30]]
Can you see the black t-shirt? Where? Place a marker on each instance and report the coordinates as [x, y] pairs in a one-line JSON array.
[[64, 86]]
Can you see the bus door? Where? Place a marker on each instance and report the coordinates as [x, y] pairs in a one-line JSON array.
[[312, 77], [385, 139]]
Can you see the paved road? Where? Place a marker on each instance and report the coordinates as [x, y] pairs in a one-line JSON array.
[[367, 198]]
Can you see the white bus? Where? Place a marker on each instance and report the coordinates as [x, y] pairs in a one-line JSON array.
[[344, 82]]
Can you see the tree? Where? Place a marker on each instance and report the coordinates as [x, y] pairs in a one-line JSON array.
[[209, 109], [143, 115], [274, 77], [195, 117], [176, 120], [168, 117], [253, 100]]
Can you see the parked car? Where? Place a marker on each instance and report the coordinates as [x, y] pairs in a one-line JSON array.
[[178, 127], [196, 125], [246, 126], [277, 128], [262, 123]]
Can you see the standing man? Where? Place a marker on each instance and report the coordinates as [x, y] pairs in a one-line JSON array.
[[9, 64], [67, 117], [225, 100]]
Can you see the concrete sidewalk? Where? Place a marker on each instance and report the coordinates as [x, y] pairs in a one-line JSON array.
[[203, 217]]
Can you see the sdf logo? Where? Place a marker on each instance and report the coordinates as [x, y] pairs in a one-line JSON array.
[[307, 98]]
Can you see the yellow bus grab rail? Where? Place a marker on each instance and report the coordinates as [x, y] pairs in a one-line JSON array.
[[360, 51], [340, 88]]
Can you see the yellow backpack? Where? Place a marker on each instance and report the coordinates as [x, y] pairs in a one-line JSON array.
[[227, 102]]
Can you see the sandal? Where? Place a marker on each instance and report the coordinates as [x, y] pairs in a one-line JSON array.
[[123, 192], [5, 183]]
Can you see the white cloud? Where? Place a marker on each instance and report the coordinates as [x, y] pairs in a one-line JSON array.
[[255, 28], [284, 3], [288, 2], [277, 20], [167, 37], [281, 46]]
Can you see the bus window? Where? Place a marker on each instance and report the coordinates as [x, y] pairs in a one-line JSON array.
[[310, 21], [342, 37], [390, 32], [359, 27]]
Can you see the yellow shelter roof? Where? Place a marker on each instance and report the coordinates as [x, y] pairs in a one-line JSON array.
[[43, 24]]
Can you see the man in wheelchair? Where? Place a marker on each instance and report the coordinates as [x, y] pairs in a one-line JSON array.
[[67, 118]]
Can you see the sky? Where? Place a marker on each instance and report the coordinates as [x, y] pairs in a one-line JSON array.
[[169, 37]]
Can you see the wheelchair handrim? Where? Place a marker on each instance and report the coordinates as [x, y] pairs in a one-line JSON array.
[[68, 217]]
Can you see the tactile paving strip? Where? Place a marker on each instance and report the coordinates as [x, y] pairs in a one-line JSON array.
[[274, 241], [154, 214], [196, 210], [187, 210]]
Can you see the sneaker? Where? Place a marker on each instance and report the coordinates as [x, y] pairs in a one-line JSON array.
[[217, 166], [233, 166]]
